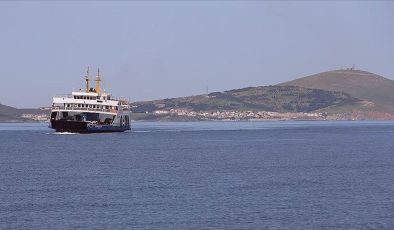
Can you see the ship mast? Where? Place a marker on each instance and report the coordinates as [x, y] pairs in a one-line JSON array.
[[98, 80], [87, 80]]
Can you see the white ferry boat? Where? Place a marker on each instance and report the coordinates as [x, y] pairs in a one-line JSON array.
[[90, 111]]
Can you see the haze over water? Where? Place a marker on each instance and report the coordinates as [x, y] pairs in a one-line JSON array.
[[202, 175]]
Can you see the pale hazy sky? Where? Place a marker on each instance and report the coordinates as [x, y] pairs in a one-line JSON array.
[[152, 50]]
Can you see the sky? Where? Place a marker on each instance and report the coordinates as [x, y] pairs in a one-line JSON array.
[[163, 49]]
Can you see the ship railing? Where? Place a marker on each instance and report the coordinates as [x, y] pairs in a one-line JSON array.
[[84, 109], [112, 98], [64, 96]]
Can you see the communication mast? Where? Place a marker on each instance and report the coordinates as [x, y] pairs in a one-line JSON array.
[[87, 80]]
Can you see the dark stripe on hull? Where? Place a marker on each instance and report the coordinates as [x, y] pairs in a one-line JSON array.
[[83, 127]]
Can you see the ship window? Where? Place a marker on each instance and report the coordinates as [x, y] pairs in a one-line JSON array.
[[107, 107]]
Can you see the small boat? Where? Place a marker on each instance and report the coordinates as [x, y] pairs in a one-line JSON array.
[[90, 111]]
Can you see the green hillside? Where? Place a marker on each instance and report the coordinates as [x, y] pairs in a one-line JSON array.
[[263, 98]]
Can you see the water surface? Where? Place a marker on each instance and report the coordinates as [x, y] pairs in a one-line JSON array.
[[200, 175]]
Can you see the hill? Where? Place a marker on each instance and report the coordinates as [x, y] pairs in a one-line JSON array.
[[11, 114], [370, 87], [263, 98], [337, 94], [8, 113]]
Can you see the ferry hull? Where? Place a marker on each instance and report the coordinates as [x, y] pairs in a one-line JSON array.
[[84, 127]]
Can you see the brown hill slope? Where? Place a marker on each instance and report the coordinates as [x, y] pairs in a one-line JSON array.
[[360, 84]]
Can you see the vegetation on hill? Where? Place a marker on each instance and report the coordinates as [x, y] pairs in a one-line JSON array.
[[263, 98]]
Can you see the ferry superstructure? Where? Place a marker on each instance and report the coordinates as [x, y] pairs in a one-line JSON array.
[[90, 111]]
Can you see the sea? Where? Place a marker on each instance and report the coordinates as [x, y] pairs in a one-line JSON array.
[[200, 175]]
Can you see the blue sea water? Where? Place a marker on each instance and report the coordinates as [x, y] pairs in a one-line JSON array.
[[199, 175]]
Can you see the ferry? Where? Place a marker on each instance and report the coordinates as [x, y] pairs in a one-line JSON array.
[[90, 111]]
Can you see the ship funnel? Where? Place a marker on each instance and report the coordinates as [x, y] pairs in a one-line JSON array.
[[98, 80]]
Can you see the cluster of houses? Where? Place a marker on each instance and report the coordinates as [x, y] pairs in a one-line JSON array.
[[241, 115], [36, 117]]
